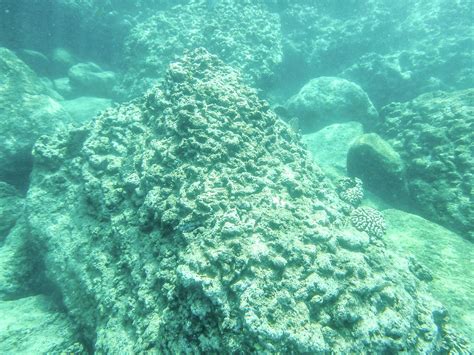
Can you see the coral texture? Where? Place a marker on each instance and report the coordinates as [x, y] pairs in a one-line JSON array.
[[350, 190], [369, 220], [193, 220]]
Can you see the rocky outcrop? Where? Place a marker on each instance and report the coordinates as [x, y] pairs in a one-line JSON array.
[[330, 145], [433, 135], [11, 205], [91, 80], [85, 108], [192, 220]]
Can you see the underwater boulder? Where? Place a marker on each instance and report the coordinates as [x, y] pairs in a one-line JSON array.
[[36, 61], [62, 60], [433, 134], [27, 112], [193, 220], [20, 264], [327, 100], [395, 50], [379, 166]]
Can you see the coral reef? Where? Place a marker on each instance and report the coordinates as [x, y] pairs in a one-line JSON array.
[[193, 220], [369, 220], [255, 48], [433, 135], [395, 50], [350, 190]]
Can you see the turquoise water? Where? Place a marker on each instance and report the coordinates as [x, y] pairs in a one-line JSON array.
[[248, 176]]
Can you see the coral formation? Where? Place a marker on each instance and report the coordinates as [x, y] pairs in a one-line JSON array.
[[193, 220], [369, 220], [433, 135], [350, 190]]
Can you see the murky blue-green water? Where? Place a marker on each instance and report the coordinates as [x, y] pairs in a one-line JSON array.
[[247, 176]]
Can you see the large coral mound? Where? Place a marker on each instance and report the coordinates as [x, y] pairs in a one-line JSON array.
[[192, 220], [434, 135]]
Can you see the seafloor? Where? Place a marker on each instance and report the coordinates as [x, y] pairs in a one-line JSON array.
[[247, 176]]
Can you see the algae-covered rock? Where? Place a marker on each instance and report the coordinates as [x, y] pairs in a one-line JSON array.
[[193, 220], [26, 113], [380, 167], [327, 100], [245, 34], [433, 135], [448, 258], [33, 325]]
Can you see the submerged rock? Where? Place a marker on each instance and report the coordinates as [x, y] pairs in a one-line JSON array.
[[192, 220], [20, 265], [327, 100], [380, 167], [36, 61], [395, 50], [434, 136], [27, 112], [11, 205], [62, 60]]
